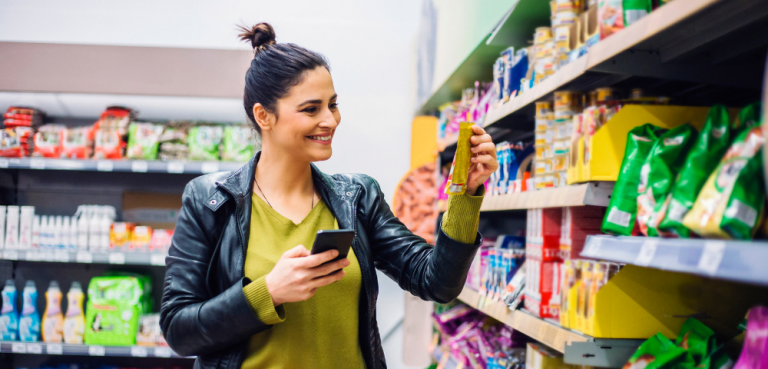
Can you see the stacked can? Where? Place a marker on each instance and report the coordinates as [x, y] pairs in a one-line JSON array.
[[564, 14], [544, 46], [567, 105], [544, 139]]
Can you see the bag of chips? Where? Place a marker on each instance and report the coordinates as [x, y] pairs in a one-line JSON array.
[[659, 352], [730, 205], [143, 140], [749, 116], [658, 174], [48, 141], [709, 147], [204, 142], [77, 143], [697, 338], [238, 143], [622, 209], [16, 142]]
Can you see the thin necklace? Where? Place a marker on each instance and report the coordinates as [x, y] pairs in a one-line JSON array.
[[270, 205]]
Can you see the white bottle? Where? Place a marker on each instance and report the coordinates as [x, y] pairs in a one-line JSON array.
[[36, 232], [72, 242], [64, 233], [25, 226], [56, 232], [82, 229], [2, 227], [105, 227], [12, 228], [94, 231]]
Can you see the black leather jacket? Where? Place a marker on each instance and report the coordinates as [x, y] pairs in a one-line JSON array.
[[204, 311]]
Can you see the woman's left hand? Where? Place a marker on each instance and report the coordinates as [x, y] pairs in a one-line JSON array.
[[483, 159]]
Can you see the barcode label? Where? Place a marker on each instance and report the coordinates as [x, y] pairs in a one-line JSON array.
[[647, 251], [619, 217], [84, 257], [19, 348], [175, 167], [209, 167], [633, 15], [741, 212], [676, 211]]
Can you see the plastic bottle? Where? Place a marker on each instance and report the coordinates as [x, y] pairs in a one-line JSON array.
[[56, 232], [105, 226], [9, 315], [72, 244], [43, 232], [82, 227], [29, 323], [64, 233], [53, 320], [36, 232], [74, 321], [94, 231]]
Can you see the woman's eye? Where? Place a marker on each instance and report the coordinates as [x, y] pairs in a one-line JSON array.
[[310, 110], [333, 106]]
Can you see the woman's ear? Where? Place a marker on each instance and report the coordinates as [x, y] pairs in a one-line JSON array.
[[264, 118]]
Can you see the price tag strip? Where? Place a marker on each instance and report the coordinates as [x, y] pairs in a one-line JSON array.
[[96, 351], [84, 257], [116, 258], [712, 256], [647, 251], [157, 259], [54, 349], [138, 351], [34, 348]]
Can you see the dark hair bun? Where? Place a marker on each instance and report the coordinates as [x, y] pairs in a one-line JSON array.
[[259, 35]]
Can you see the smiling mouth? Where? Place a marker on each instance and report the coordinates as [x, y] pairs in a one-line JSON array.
[[321, 138]]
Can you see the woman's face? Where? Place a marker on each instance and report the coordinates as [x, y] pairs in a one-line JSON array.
[[307, 118]]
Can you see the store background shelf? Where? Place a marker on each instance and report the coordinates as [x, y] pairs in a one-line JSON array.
[[731, 260], [43, 348], [135, 166], [595, 194], [86, 257], [661, 52]]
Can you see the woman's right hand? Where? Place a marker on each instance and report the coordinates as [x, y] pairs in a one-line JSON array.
[[298, 274]]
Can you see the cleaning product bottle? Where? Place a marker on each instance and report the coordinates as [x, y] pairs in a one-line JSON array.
[[9, 315], [36, 232], [29, 323], [74, 321], [94, 232], [53, 320], [82, 227]]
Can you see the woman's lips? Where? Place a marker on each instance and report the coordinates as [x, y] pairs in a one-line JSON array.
[[321, 139]]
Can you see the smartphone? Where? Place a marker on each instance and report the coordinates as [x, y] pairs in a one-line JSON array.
[[340, 240]]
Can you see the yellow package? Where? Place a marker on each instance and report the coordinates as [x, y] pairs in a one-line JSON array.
[[457, 178]]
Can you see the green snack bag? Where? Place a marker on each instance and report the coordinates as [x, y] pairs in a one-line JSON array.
[[730, 205], [658, 352], [634, 10], [204, 142], [113, 309], [658, 174], [143, 141], [703, 158], [749, 116], [238, 143], [697, 338], [622, 209]]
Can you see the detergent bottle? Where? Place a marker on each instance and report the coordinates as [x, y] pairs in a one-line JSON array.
[[53, 320], [29, 323], [74, 321], [9, 316]]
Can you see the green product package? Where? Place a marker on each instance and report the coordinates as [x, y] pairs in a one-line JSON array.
[[658, 174], [749, 116], [703, 158], [697, 338], [204, 142], [634, 10], [730, 205], [238, 143], [658, 352], [113, 309], [143, 141], [622, 209]]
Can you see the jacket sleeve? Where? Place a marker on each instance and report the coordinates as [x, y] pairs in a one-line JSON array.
[[435, 273], [192, 320]]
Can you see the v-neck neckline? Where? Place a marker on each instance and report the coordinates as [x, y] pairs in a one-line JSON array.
[[283, 219]]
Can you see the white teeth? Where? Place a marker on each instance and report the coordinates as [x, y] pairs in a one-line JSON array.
[[321, 138]]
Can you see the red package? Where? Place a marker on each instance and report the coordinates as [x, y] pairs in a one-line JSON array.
[[578, 223], [108, 144], [161, 240], [542, 240], [18, 116], [115, 118], [77, 143], [14, 142], [542, 288], [18, 123], [47, 141]]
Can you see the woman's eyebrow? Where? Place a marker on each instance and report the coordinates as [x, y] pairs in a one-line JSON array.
[[317, 101]]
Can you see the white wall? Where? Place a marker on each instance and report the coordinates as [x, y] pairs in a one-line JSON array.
[[368, 44]]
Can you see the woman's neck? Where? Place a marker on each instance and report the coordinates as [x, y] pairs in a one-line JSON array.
[[281, 177]]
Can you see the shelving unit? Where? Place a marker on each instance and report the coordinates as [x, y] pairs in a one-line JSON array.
[[130, 166], [731, 260], [43, 348], [595, 194], [86, 257]]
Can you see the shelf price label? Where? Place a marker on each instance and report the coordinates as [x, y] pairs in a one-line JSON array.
[[105, 166], [157, 259], [84, 257], [116, 258], [712, 256], [96, 351], [138, 351], [54, 349], [175, 167], [139, 166], [10, 255], [37, 164], [163, 352], [592, 248], [61, 256], [34, 256], [647, 251], [34, 348], [19, 348], [209, 167], [3, 163]]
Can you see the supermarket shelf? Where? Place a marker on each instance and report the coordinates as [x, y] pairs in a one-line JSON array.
[[663, 45], [545, 332], [595, 194], [731, 260], [134, 166], [86, 257], [43, 348]]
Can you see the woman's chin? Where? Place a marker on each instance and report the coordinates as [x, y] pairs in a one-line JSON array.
[[322, 156]]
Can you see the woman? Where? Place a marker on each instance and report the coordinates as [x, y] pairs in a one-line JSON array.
[[241, 288]]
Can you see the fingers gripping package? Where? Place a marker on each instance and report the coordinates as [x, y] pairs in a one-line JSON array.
[[730, 205], [458, 176], [658, 174], [622, 209], [701, 161]]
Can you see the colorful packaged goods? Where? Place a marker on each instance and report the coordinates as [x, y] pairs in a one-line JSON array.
[[542, 238], [161, 240], [77, 143], [204, 142], [120, 236], [709, 148], [140, 238], [16, 142], [730, 205], [113, 309], [459, 174], [610, 17], [174, 142], [143, 141], [48, 141], [238, 143], [19, 116], [658, 173], [578, 223], [149, 333], [754, 355], [108, 144], [620, 217]]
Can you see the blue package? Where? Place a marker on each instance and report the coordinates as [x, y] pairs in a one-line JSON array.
[[9, 316]]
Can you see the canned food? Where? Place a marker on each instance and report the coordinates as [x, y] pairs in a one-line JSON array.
[[551, 131], [605, 94], [542, 124], [560, 129], [542, 35], [560, 162], [549, 181], [562, 147], [562, 33], [539, 152], [542, 109], [561, 178], [565, 17], [540, 167], [567, 100]]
